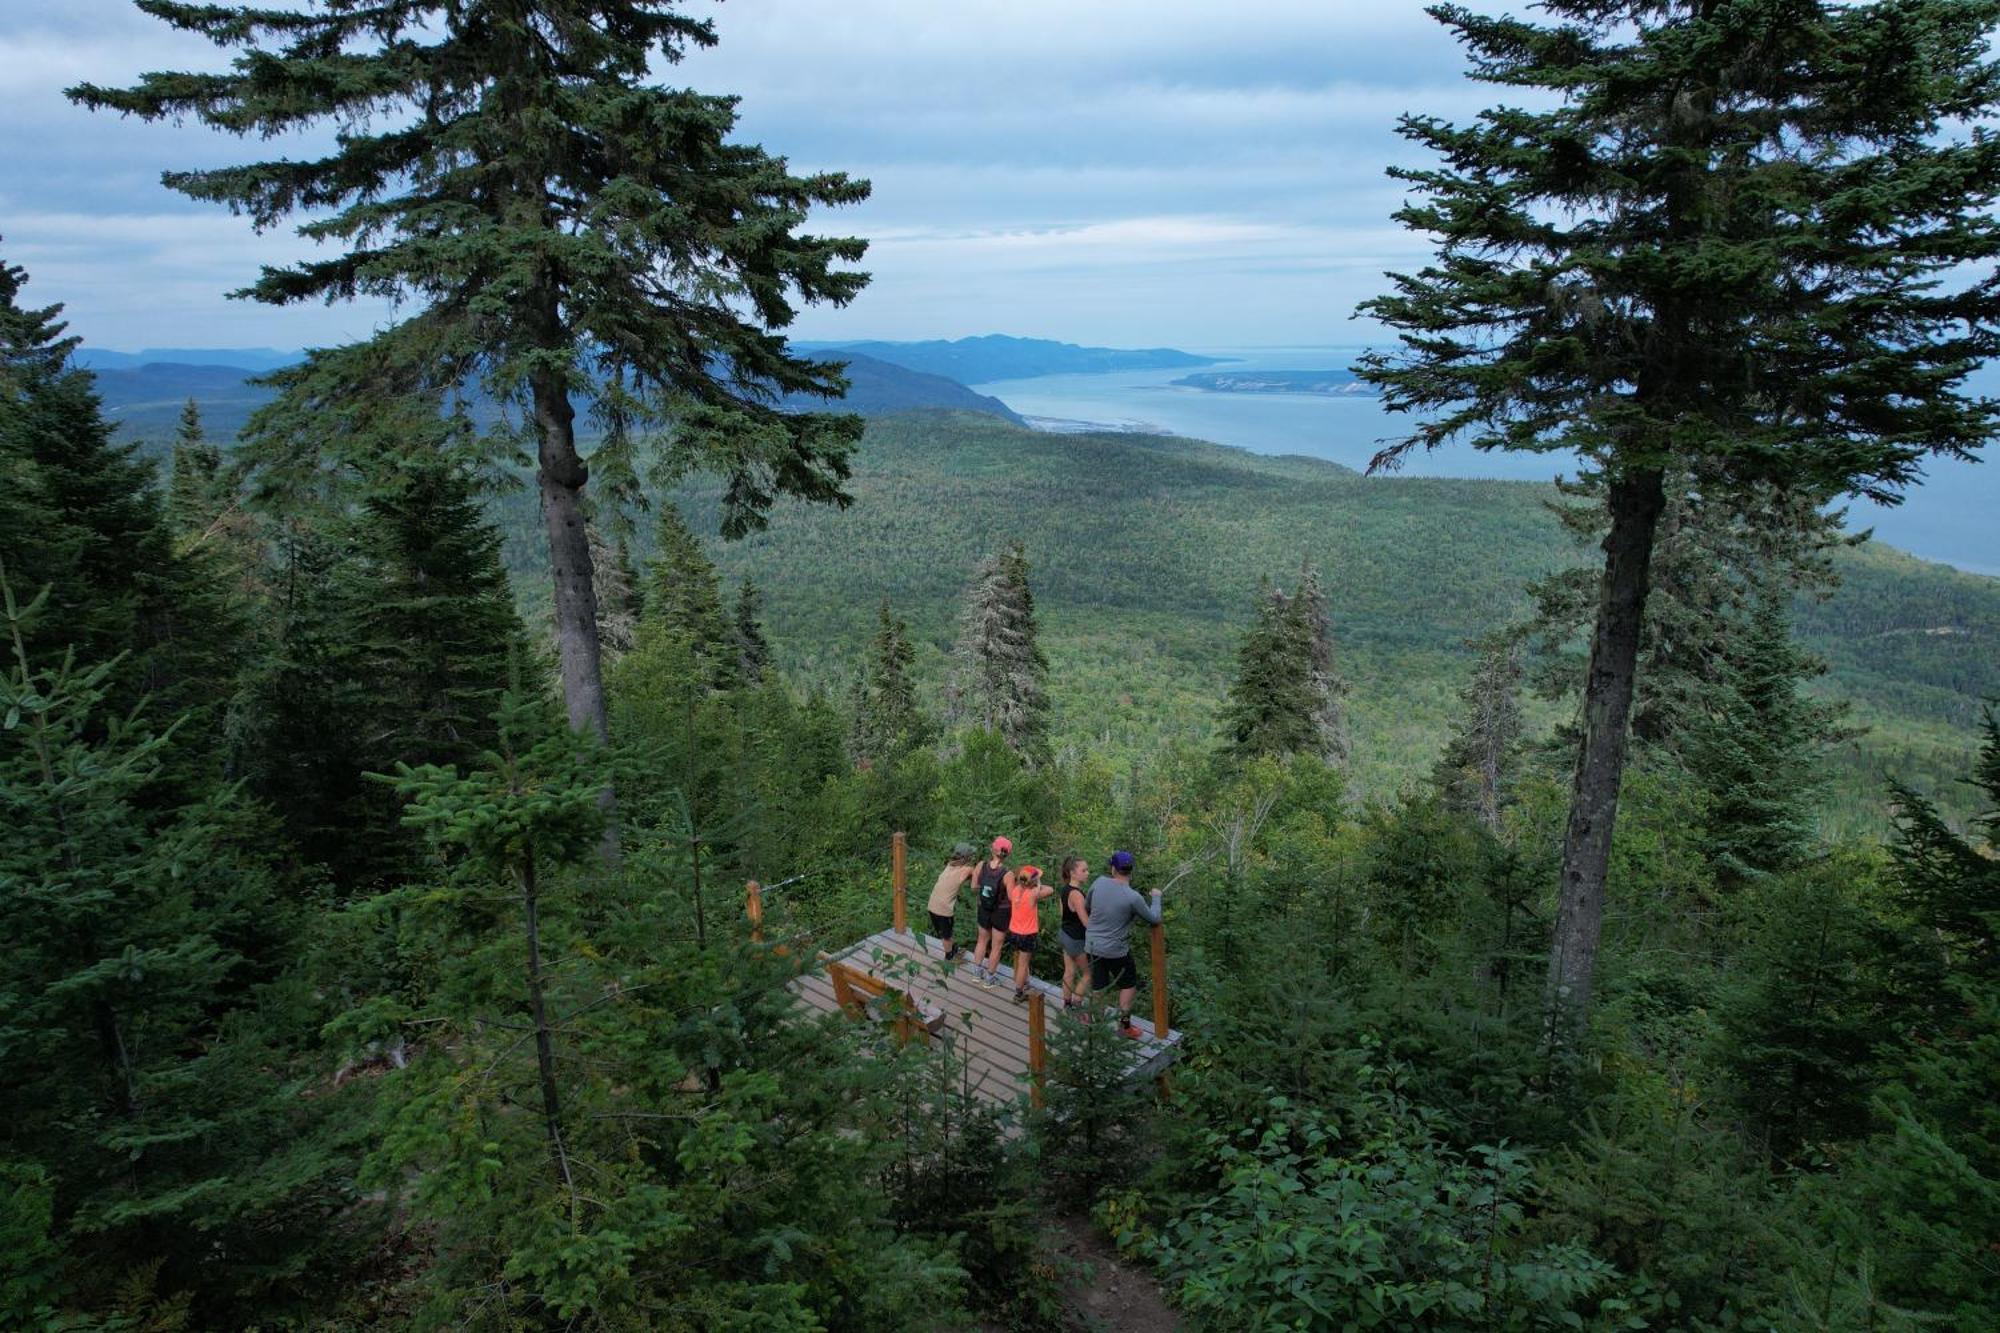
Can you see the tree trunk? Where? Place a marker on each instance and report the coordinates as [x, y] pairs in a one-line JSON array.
[[545, 1059], [1635, 501], [562, 474]]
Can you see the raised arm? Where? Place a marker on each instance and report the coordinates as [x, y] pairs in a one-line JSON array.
[[1146, 909]]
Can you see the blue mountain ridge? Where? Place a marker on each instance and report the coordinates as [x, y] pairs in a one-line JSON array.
[[144, 398]]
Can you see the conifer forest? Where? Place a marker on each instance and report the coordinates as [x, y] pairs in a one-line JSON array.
[[431, 798]]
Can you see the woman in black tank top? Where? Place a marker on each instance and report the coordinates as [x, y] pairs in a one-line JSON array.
[[1075, 916]]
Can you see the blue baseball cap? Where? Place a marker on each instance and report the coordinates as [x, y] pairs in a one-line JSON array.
[[1122, 862]]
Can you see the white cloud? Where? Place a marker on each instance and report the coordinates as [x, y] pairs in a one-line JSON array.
[[1172, 169]]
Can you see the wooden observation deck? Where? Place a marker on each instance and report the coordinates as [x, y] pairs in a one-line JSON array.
[[899, 976]]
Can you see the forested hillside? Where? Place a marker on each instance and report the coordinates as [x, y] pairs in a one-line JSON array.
[[1147, 551]]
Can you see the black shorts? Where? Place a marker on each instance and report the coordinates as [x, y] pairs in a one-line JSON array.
[[940, 926], [1021, 943], [992, 915], [1110, 973]]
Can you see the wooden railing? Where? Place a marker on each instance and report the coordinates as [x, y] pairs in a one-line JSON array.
[[854, 988]]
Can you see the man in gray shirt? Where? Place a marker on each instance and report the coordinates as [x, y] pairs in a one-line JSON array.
[[1112, 904]]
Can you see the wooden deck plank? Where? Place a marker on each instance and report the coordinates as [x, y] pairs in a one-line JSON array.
[[987, 1027]]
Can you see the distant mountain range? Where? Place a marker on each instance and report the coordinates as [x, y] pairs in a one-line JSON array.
[[996, 356], [244, 358], [1330, 383], [144, 396]]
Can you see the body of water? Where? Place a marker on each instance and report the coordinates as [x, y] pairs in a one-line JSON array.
[[1950, 518]]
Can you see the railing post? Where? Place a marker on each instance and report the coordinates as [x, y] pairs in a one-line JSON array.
[[899, 875], [1160, 982], [1160, 1028], [753, 907], [1037, 1057]]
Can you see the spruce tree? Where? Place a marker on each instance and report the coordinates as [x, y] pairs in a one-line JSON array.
[[1324, 687], [1476, 771], [302, 752], [194, 488], [1000, 681], [1757, 749], [91, 531], [888, 722], [606, 1070], [621, 597], [432, 621], [753, 650], [684, 598], [565, 227], [1286, 697], [1265, 713], [148, 1085], [1724, 246]]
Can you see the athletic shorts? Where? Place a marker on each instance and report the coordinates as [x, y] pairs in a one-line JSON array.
[[940, 926], [992, 915], [1113, 973], [1071, 944], [1021, 943]]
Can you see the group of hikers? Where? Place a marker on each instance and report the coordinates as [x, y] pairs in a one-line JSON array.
[[1095, 933]]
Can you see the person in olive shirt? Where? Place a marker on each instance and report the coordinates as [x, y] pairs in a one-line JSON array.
[[1113, 904], [943, 904]]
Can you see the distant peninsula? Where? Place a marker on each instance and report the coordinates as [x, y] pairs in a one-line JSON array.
[[996, 356], [1322, 383]]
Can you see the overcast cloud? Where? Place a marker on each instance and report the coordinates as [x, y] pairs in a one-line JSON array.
[[1114, 171]]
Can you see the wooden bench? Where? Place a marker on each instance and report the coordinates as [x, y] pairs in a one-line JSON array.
[[862, 996]]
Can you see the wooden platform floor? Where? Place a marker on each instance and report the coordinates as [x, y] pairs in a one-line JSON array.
[[988, 1026]]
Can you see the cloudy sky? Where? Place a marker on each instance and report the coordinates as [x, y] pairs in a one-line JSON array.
[[1114, 171]]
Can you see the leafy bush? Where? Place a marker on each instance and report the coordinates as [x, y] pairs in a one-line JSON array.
[[1367, 1219]]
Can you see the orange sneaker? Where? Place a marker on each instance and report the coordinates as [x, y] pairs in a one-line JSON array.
[[1127, 1030]]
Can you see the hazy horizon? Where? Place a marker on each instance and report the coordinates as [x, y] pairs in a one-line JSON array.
[[1126, 175]]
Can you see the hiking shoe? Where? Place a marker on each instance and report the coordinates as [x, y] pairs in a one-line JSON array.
[[1127, 1030], [1021, 996], [988, 979]]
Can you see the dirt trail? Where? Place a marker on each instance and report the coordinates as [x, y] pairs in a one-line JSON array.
[[1113, 1296]]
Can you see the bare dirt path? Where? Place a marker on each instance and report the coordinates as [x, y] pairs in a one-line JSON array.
[[1113, 1295]]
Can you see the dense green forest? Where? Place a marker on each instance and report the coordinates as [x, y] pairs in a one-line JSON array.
[[1147, 551], [1582, 900]]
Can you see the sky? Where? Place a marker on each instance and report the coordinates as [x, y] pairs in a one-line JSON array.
[[1120, 172]]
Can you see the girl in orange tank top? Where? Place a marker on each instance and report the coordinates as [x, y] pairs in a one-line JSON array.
[[1024, 924]]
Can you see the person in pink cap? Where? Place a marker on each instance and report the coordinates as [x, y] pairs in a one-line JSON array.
[[995, 885]]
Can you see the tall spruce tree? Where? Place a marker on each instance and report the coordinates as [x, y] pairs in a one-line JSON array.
[[566, 227], [1756, 749], [432, 623], [1325, 689], [684, 597], [1732, 248], [1286, 696], [91, 530], [621, 596], [195, 481], [1000, 678], [888, 722], [146, 1091], [1476, 771], [92, 533], [753, 650]]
